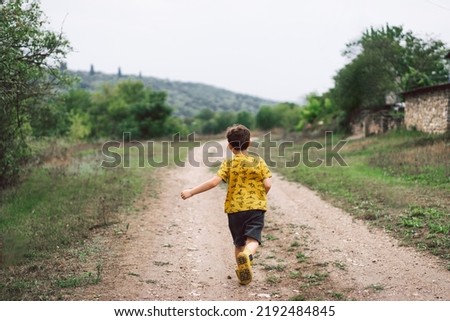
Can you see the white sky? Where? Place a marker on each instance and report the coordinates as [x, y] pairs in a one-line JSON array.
[[276, 49]]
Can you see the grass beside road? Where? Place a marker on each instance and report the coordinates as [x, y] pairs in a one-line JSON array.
[[47, 222], [399, 181]]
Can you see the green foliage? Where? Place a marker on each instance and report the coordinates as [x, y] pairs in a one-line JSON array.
[[291, 117], [225, 119], [67, 114], [79, 280], [209, 122], [30, 57], [210, 127], [175, 125], [127, 106], [80, 127], [245, 118], [205, 114], [266, 118], [318, 111], [287, 115], [384, 61], [50, 118], [284, 115], [402, 54], [150, 114]]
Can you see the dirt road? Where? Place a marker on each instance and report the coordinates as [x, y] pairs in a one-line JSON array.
[[182, 250]]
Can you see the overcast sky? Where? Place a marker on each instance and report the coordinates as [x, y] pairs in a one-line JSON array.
[[276, 49]]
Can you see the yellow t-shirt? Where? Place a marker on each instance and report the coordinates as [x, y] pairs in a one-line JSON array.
[[244, 175]]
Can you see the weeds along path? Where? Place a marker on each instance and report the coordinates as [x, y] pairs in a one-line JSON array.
[[182, 250], [368, 263]]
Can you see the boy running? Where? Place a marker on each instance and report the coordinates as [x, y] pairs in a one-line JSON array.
[[248, 179]]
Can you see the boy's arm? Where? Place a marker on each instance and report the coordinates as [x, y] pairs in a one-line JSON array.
[[267, 184], [203, 187]]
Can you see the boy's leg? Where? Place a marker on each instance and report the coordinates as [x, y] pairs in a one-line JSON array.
[[251, 245], [246, 229]]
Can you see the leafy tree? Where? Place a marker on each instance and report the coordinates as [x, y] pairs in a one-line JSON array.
[[49, 118], [318, 110], [80, 126], [245, 118], [210, 122], [129, 107], [210, 127], [224, 119], [30, 57], [131, 92], [284, 115], [384, 61], [78, 100], [266, 118], [151, 114], [100, 111], [205, 114], [288, 116], [174, 125], [63, 114]]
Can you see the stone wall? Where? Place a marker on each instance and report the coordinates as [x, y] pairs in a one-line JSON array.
[[428, 109], [376, 122]]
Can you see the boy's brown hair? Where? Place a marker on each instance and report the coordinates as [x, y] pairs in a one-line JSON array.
[[238, 137]]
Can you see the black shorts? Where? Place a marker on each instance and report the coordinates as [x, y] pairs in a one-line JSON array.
[[246, 224]]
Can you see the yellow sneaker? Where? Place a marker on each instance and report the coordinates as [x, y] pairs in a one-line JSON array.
[[244, 268]]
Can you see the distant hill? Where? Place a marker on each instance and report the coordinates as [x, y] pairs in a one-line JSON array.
[[186, 98]]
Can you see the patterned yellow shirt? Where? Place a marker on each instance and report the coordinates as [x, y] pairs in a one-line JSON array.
[[244, 175]]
